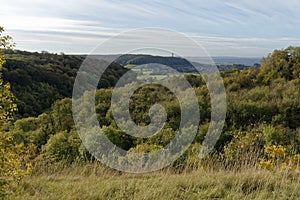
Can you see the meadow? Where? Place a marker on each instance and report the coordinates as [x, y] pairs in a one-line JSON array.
[[92, 181]]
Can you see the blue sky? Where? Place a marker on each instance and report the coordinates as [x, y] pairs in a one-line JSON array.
[[250, 28]]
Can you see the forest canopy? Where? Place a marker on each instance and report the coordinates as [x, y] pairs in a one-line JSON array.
[[39, 79], [262, 110]]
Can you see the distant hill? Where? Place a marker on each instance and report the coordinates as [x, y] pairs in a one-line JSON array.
[[180, 64], [186, 65], [219, 60]]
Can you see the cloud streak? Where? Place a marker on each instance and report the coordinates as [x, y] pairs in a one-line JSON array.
[[233, 28]]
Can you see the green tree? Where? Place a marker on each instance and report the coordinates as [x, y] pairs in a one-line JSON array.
[[281, 64], [63, 146], [13, 164], [62, 115], [7, 106]]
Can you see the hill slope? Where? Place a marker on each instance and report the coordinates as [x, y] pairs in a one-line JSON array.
[[187, 66], [39, 79]]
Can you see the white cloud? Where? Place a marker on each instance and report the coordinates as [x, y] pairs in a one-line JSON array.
[[229, 27]]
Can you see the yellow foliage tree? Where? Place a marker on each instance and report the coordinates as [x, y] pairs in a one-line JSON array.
[[13, 157]]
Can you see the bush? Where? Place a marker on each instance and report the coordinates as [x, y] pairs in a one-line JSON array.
[[14, 162], [63, 146], [33, 130], [271, 135], [277, 160], [244, 149]]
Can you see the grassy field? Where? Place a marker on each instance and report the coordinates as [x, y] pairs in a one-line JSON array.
[[94, 182]]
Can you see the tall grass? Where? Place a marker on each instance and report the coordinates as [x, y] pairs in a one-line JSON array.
[[93, 181]]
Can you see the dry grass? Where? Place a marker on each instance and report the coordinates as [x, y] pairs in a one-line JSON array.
[[92, 181]]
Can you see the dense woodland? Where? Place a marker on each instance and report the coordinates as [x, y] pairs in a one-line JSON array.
[[261, 130], [263, 109], [39, 79]]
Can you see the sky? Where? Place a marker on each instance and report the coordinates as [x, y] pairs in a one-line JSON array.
[[244, 28]]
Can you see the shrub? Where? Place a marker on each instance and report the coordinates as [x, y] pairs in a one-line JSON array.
[[63, 146], [244, 149], [277, 160], [14, 163], [272, 135]]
